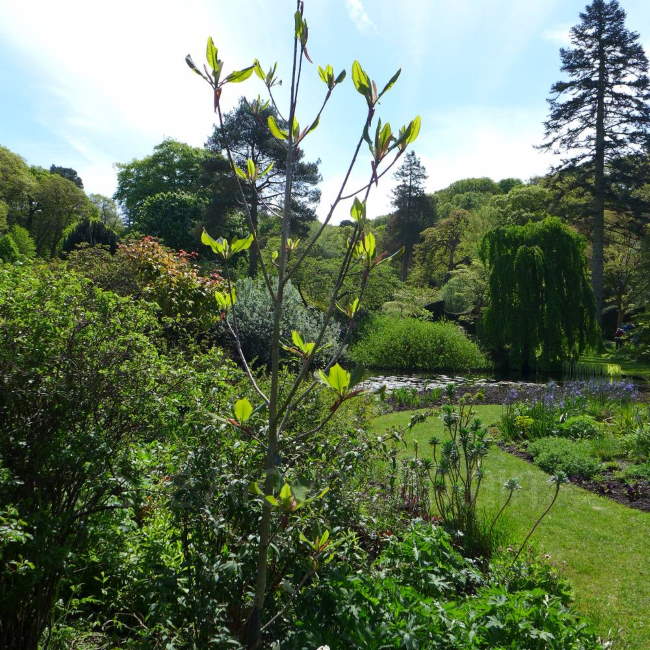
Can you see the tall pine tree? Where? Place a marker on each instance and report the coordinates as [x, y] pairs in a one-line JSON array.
[[602, 112], [413, 209]]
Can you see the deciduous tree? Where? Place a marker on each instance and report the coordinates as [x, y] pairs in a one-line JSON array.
[[540, 310]]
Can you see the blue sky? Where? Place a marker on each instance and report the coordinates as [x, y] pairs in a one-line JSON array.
[[89, 83]]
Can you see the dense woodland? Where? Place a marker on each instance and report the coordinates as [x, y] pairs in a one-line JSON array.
[[186, 460]]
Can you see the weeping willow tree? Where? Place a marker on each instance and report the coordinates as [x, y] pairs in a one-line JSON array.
[[541, 306]]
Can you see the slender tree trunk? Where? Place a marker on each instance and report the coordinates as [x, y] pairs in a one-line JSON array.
[[254, 624], [252, 251], [598, 221], [406, 262]]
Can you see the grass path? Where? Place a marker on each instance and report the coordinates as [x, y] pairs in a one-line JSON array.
[[602, 547]]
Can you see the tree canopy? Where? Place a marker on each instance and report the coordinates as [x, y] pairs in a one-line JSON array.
[[414, 210], [540, 309], [601, 112]]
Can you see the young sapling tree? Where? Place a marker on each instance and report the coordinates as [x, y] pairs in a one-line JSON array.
[[280, 404]]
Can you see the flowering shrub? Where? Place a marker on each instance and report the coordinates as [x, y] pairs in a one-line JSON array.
[[555, 408], [144, 268]]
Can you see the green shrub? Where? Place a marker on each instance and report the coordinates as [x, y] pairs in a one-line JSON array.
[[411, 344], [637, 444], [23, 240], [82, 381], [607, 447], [8, 250], [580, 427], [254, 319], [636, 472], [144, 268], [422, 594], [555, 455]]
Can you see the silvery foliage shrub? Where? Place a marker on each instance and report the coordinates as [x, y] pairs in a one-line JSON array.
[[254, 319]]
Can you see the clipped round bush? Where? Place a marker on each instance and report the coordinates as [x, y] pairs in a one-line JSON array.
[[555, 455], [580, 427], [411, 344]]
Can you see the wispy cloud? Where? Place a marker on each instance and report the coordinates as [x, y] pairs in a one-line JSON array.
[[359, 16], [560, 35]]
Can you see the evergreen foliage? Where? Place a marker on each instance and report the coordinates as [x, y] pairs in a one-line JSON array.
[[411, 344], [413, 209], [171, 216], [602, 112], [246, 134], [540, 308]]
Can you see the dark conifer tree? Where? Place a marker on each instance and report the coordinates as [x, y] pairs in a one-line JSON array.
[[246, 132], [601, 112], [414, 211], [69, 173]]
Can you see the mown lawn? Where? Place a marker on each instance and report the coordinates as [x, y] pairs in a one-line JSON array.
[[602, 547]]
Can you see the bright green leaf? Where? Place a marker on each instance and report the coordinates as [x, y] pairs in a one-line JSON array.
[[211, 54], [258, 70], [285, 492], [243, 410], [275, 129], [240, 75], [413, 130], [238, 245], [250, 166], [360, 79], [357, 210], [240, 172], [266, 170]]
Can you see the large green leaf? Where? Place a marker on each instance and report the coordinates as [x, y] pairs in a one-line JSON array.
[[242, 410], [413, 130], [276, 131], [238, 245], [211, 54], [357, 210], [360, 79], [225, 299], [240, 75]]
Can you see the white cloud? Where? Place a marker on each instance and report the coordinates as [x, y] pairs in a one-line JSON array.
[[479, 141], [560, 35], [468, 142], [359, 16], [114, 74]]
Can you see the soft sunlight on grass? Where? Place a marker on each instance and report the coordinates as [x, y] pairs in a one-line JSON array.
[[628, 368], [600, 545]]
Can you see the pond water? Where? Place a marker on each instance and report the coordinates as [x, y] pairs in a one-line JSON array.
[[496, 386], [424, 381]]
